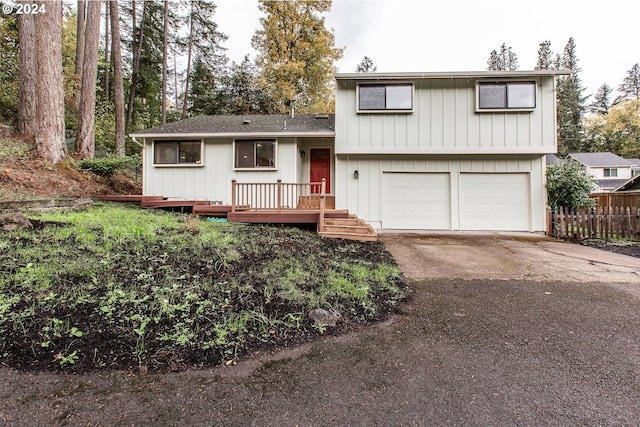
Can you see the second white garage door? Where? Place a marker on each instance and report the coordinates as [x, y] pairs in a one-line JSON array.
[[416, 201], [494, 201]]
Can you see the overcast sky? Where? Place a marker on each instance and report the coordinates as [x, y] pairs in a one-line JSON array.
[[459, 35]]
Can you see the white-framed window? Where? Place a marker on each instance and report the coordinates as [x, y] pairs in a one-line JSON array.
[[505, 96], [177, 153], [254, 154], [610, 172], [385, 97]]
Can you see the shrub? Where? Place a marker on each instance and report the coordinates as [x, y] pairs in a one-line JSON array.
[[569, 185], [106, 167]]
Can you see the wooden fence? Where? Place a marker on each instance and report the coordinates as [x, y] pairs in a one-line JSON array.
[[595, 223], [621, 199]]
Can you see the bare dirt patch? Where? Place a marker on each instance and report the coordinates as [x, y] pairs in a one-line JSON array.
[[23, 176]]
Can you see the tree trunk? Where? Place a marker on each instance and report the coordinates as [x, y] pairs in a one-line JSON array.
[[27, 106], [165, 64], [50, 141], [107, 60], [85, 144], [185, 100], [118, 90], [80, 32], [137, 53]]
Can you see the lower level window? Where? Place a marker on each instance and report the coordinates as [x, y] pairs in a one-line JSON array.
[[177, 152], [255, 154]]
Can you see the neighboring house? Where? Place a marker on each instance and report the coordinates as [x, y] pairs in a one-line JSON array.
[[635, 167], [609, 170], [437, 151], [553, 160]]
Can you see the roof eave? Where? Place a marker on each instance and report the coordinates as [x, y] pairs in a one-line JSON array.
[[452, 75], [184, 135]]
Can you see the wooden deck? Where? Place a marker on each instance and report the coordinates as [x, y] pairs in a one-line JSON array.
[[270, 203], [284, 216]]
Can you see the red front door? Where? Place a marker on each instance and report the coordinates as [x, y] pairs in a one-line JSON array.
[[320, 166]]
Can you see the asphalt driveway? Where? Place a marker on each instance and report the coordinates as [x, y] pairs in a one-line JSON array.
[[503, 330]]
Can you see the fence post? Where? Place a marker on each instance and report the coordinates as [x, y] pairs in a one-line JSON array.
[[279, 195]]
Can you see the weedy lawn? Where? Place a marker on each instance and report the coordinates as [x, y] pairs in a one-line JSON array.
[[117, 287]]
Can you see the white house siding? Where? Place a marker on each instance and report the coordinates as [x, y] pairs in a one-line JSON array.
[[624, 172], [365, 196], [212, 180], [444, 121]]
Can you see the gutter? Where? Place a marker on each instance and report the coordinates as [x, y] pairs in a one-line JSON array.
[[133, 138]]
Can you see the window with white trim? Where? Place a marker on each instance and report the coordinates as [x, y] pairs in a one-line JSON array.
[[492, 96], [385, 97], [255, 154], [182, 153], [610, 172]]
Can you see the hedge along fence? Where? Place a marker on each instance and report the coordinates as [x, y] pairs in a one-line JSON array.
[[595, 223]]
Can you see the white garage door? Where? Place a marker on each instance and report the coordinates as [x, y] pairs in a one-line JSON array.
[[416, 201], [494, 201]]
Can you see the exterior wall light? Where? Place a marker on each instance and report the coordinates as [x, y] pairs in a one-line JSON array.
[[356, 175], [303, 154]]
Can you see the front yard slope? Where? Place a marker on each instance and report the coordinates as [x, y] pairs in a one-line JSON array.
[[116, 287]]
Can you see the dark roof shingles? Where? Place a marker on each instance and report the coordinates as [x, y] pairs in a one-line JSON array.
[[272, 123]]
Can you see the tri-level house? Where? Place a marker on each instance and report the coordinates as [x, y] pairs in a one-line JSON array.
[[413, 151]]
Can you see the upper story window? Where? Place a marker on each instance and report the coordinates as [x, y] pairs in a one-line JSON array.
[[497, 96], [385, 97], [182, 153], [610, 172], [255, 154]]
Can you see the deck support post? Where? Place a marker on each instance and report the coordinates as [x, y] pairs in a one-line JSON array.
[[233, 195], [323, 204]]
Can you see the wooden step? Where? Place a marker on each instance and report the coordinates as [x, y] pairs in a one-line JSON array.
[[349, 236], [344, 222], [353, 229]]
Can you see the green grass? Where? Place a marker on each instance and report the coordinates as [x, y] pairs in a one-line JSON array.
[[10, 147], [122, 287]]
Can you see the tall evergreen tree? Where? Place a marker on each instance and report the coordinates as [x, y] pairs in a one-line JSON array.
[[85, 142], [630, 87], [296, 55], [545, 57], [204, 43], [237, 91], [27, 107], [50, 141], [570, 103], [504, 60], [118, 84], [366, 66], [601, 102]]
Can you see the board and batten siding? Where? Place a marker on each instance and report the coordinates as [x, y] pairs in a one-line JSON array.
[[212, 180], [444, 121], [364, 195]]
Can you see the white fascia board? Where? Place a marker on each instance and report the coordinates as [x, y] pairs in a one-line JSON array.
[[452, 75], [236, 135]]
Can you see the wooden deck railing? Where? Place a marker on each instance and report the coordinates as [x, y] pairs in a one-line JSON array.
[[278, 196], [609, 223]]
